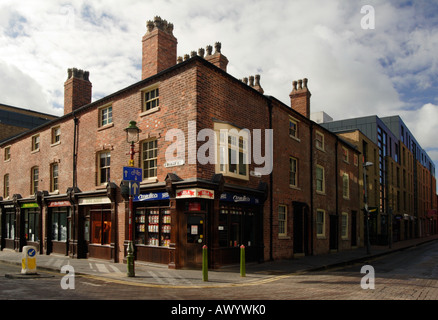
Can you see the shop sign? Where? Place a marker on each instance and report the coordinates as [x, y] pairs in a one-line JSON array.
[[29, 205], [152, 196], [9, 206], [195, 193], [239, 198], [94, 200], [59, 204]]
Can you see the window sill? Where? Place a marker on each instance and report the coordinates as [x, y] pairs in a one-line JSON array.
[[284, 237], [110, 125], [322, 193], [55, 144], [55, 192], [148, 181], [35, 151], [294, 187], [147, 112], [295, 138]]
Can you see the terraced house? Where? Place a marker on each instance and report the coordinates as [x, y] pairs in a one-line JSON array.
[[223, 165]]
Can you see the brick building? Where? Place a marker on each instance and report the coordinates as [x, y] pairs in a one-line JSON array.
[[197, 188], [405, 184], [14, 121]]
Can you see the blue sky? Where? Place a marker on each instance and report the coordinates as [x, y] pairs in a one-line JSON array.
[[391, 69]]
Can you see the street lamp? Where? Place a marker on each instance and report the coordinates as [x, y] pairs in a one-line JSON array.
[[365, 165], [132, 136]]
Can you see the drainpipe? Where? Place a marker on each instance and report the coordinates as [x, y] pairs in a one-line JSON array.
[[76, 121], [311, 189], [337, 196], [271, 204]]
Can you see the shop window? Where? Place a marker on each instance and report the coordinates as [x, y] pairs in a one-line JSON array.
[[236, 226], [153, 226], [59, 224], [10, 224], [31, 225], [149, 159], [100, 227]]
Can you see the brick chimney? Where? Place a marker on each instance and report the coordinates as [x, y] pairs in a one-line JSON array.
[[218, 59], [159, 48], [300, 97], [77, 90]]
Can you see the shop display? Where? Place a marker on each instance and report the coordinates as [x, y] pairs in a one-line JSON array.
[[153, 226]]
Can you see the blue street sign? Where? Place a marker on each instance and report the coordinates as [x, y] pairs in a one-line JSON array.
[[134, 188], [132, 174]]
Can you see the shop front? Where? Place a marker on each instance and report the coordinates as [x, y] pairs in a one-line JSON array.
[[172, 226], [96, 226], [58, 224], [8, 224], [30, 225], [152, 231]]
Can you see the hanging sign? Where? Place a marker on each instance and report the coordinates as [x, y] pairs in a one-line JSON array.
[[94, 200]]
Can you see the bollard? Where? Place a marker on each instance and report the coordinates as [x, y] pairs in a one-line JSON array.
[[28, 261], [204, 263], [242, 261]]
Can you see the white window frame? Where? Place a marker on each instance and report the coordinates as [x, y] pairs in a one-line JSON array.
[[231, 139], [317, 142], [344, 225], [323, 179], [282, 220], [105, 111], [346, 186], [106, 167], [320, 224]]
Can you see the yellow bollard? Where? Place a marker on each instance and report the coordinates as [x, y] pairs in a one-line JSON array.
[[28, 261]]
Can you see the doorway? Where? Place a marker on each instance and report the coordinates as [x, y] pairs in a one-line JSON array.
[[195, 239], [301, 228]]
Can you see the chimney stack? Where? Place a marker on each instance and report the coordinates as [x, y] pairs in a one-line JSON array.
[[218, 59], [159, 47], [77, 90], [300, 97]]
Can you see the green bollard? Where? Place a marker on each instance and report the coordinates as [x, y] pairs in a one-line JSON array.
[[242, 261], [204, 263]]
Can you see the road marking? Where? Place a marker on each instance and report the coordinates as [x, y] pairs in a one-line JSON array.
[[102, 268]]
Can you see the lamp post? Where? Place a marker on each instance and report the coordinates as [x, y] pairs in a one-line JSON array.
[[132, 136], [365, 165]]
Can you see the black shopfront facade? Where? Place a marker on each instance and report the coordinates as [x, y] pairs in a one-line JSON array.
[[173, 222]]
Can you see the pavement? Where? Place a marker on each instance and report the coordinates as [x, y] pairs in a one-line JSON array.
[[154, 275]]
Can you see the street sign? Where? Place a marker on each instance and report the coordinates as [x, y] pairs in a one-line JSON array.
[[134, 188], [132, 174]]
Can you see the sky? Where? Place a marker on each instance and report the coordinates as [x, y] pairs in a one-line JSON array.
[[358, 62]]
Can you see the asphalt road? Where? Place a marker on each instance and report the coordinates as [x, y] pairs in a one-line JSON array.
[[411, 274]]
